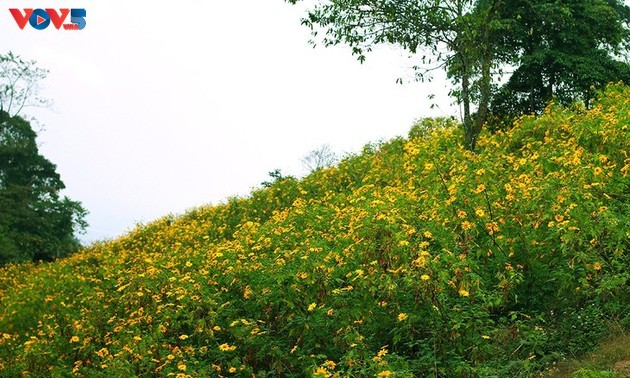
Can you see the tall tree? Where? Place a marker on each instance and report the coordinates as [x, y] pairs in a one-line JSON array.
[[457, 33], [558, 48], [36, 222], [561, 49]]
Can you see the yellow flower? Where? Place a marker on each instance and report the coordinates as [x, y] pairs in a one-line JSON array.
[[181, 366], [74, 339], [492, 227], [597, 266], [463, 292], [428, 235], [232, 370], [466, 225], [402, 316], [480, 213], [330, 364], [425, 277], [183, 337], [321, 372], [225, 347], [102, 352], [248, 292], [311, 307], [384, 373], [485, 337]]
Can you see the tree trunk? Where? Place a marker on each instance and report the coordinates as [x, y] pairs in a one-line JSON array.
[[469, 127], [473, 127]]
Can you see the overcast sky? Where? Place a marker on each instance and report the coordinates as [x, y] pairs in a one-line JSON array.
[[161, 108]]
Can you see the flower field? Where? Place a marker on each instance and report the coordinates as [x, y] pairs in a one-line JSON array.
[[413, 258]]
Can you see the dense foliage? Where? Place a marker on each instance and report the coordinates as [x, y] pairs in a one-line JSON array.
[[561, 49], [414, 258], [36, 223], [543, 48]]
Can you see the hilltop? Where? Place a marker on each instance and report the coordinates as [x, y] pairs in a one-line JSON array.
[[414, 257]]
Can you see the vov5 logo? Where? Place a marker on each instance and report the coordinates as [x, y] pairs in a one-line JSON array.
[[40, 19]]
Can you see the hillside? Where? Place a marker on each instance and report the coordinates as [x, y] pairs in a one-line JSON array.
[[413, 258]]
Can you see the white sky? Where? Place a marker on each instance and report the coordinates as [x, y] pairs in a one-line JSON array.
[[161, 108]]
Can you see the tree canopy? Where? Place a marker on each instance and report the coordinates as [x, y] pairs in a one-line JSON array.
[[473, 40], [36, 222], [562, 50]]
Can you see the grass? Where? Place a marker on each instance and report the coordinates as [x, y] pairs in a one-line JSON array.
[[612, 351]]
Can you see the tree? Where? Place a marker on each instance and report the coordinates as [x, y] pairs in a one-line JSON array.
[[319, 158], [36, 223], [276, 176], [558, 47], [457, 33], [561, 49], [20, 84]]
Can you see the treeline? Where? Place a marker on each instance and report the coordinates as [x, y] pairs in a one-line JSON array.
[[37, 223]]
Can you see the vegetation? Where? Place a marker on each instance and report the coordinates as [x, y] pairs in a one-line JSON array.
[[19, 84], [322, 157], [36, 222], [414, 258], [561, 50], [556, 47]]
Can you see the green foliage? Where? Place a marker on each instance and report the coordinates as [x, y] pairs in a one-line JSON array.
[[561, 49], [413, 258], [276, 175], [425, 127], [558, 49], [35, 222], [585, 373], [450, 35]]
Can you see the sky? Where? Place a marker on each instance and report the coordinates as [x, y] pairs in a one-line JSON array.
[[161, 108]]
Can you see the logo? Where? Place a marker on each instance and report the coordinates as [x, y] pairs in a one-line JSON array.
[[40, 19]]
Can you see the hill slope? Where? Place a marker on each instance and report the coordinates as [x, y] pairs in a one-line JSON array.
[[413, 258]]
